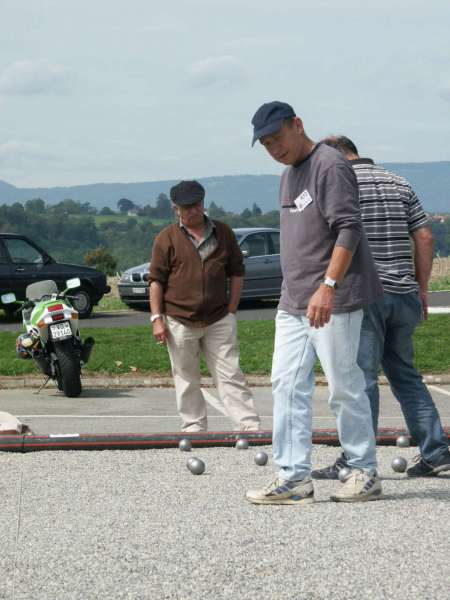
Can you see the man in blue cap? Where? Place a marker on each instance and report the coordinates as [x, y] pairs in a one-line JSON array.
[[328, 276]]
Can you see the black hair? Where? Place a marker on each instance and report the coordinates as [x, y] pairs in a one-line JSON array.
[[341, 143]]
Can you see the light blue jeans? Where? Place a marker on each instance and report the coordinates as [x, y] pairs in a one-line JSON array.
[[387, 339], [297, 346]]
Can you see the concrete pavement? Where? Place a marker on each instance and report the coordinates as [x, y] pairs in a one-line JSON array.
[[152, 410]]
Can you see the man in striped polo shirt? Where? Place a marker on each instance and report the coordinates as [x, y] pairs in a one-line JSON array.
[[392, 215]]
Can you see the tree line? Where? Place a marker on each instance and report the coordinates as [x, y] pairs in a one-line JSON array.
[[115, 240]]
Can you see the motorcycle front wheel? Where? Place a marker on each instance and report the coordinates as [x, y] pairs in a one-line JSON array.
[[68, 374]]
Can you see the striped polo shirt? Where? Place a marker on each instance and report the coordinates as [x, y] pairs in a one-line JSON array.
[[391, 212]]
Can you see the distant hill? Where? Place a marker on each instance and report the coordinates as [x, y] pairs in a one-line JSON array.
[[234, 192], [430, 180]]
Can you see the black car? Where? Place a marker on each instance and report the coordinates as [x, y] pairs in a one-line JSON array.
[[261, 249], [23, 262]]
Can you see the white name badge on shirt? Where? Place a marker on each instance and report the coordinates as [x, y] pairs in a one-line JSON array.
[[303, 200]]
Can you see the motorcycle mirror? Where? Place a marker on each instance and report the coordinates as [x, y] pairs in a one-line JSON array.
[[8, 298], [73, 283]]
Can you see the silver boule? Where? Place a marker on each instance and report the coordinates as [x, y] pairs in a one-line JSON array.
[[261, 458], [402, 441], [185, 445], [344, 474], [242, 444], [399, 464], [196, 466]]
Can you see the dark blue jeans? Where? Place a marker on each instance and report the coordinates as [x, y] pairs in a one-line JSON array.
[[386, 339]]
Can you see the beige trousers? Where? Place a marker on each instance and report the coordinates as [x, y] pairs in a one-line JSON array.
[[219, 344]]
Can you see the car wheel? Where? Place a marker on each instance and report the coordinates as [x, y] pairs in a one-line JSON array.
[[83, 303], [11, 312]]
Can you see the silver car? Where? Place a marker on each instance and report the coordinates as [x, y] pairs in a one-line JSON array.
[[261, 249]]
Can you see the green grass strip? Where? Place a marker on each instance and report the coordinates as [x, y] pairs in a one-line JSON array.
[[132, 349]]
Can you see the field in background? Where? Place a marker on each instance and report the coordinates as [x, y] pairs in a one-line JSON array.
[[440, 275], [112, 300], [121, 218]]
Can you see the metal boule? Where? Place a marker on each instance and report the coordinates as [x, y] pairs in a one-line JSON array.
[[185, 445], [196, 466], [344, 474], [242, 444], [399, 464], [402, 441], [261, 458]]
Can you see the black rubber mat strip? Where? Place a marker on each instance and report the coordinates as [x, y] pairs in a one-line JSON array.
[[130, 441]]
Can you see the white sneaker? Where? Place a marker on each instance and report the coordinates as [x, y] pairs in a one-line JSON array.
[[283, 492], [359, 487]]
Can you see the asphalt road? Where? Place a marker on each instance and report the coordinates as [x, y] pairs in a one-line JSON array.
[[248, 311], [152, 410]]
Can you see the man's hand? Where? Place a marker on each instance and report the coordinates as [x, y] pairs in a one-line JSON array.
[[320, 306], [160, 331], [236, 284], [423, 295]]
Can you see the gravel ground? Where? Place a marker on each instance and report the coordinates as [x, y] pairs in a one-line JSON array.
[[138, 525]]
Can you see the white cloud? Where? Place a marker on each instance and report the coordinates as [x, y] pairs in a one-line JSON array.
[[217, 72], [165, 27], [444, 90], [27, 77], [15, 153]]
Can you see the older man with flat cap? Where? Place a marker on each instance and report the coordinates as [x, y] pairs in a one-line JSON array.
[[192, 260]]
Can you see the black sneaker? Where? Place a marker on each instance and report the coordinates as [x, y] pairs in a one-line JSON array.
[[332, 471], [426, 469]]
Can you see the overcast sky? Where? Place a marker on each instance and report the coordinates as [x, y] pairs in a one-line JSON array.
[[139, 90]]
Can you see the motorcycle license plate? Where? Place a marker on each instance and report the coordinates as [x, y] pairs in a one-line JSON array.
[[60, 330], [140, 290]]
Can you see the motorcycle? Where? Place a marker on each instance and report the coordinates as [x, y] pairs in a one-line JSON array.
[[52, 337]]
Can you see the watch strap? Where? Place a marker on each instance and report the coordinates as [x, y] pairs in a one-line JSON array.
[[329, 282]]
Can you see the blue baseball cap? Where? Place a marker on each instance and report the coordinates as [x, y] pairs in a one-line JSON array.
[[269, 118]]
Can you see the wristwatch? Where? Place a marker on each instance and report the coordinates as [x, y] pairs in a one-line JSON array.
[[154, 317], [330, 282]]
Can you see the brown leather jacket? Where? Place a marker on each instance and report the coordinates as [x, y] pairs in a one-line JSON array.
[[194, 293]]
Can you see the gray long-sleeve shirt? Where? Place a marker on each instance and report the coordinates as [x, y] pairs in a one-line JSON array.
[[320, 209]]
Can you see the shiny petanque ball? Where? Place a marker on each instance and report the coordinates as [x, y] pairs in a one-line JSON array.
[[402, 441], [344, 474], [399, 464], [242, 444], [185, 445], [261, 458], [196, 466]]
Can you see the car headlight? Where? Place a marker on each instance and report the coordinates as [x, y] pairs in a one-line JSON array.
[[126, 278]]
